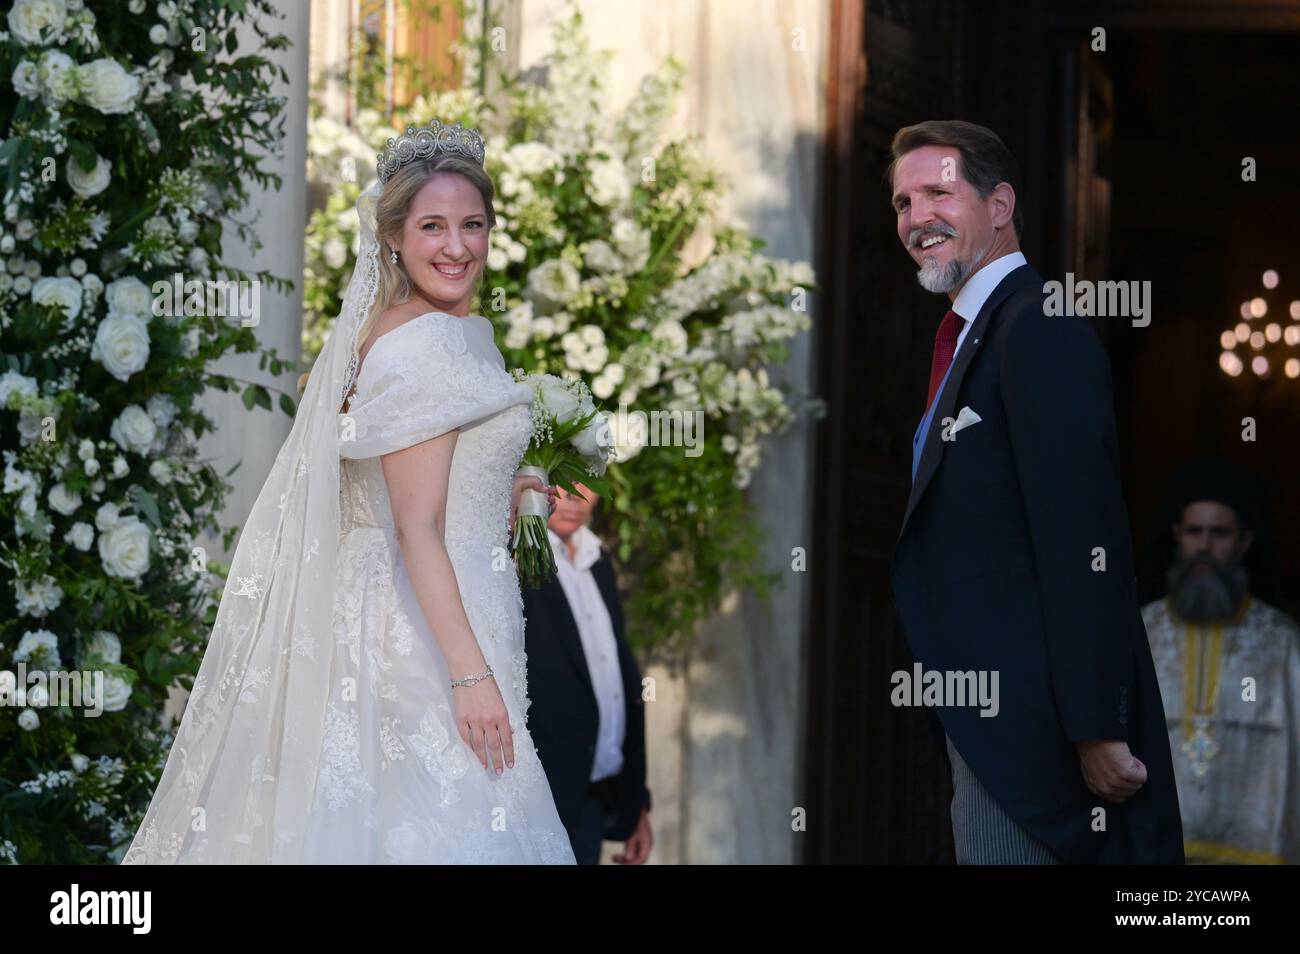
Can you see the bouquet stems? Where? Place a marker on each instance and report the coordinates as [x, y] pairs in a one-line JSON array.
[[531, 544]]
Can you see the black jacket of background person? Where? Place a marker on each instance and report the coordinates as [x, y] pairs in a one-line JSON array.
[[993, 570], [563, 719]]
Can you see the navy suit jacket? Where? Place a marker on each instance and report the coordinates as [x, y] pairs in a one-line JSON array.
[[563, 718], [997, 567]]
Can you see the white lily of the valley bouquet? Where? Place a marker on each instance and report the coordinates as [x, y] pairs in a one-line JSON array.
[[571, 443]]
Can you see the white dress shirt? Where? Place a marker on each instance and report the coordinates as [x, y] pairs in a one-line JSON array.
[[977, 289], [596, 631]]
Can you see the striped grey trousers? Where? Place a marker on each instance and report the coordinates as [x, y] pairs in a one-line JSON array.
[[983, 833]]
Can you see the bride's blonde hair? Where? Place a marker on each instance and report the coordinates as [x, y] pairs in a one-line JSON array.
[[391, 211]]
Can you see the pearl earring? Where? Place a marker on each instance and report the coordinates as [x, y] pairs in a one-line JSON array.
[[392, 255]]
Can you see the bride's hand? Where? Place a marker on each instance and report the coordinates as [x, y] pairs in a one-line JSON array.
[[524, 482], [484, 723]]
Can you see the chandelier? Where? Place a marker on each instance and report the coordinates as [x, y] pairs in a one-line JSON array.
[[1261, 345]]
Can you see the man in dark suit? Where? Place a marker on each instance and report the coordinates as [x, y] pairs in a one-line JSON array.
[[587, 716], [1015, 559]]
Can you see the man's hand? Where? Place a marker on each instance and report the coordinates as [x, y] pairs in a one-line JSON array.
[[1111, 770], [637, 848]]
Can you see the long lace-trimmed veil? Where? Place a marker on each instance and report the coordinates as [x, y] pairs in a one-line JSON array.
[[239, 780]]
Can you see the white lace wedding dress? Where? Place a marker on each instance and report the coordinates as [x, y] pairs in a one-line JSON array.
[[396, 783]]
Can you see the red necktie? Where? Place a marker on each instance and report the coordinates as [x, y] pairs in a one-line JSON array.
[[945, 346]]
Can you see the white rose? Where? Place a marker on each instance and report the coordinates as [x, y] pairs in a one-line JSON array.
[[36, 22], [106, 646], [92, 183], [124, 550], [108, 87], [497, 260], [134, 429], [63, 500], [77, 267], [558, 396], [91, 467], [121, 345], [117, 692], [120, 467], [594, 441], [161, 471], [107, 516], [26, 80], [79, 762], [158, 34], [28, 720], [81, 536], [129, 296], [63, 292]]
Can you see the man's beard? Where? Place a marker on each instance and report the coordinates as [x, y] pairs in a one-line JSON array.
[[1207, 597], [942, 279]]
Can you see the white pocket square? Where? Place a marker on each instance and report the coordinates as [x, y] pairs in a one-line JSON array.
[[966, 418]]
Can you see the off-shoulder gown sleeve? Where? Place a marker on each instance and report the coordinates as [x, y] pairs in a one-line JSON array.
[[434, 374]]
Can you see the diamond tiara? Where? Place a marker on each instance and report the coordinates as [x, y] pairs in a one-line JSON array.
[[426, 141]]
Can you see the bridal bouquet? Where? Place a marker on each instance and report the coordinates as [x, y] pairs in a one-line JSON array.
[[571, 443]]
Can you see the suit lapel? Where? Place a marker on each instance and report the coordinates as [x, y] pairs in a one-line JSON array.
[[946, 402]]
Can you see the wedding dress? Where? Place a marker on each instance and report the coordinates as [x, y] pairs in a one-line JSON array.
[[321, 726]]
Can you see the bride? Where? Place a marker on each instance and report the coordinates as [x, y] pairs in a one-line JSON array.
[[363, 694]]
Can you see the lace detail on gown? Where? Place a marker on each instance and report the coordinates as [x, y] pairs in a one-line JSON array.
[[396, 783]]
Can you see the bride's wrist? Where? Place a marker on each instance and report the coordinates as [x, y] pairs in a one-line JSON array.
[[473, 678]]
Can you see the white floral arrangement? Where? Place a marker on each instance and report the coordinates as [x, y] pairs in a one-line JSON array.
[[610, 264], [126, 141]]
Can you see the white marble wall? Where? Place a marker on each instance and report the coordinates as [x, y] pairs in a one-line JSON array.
[[724, 738], [255, 436]]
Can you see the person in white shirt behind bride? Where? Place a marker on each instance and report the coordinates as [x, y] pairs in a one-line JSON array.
[[587, 717]]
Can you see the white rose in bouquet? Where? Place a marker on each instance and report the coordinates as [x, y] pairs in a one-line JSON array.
[[566, 447]]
